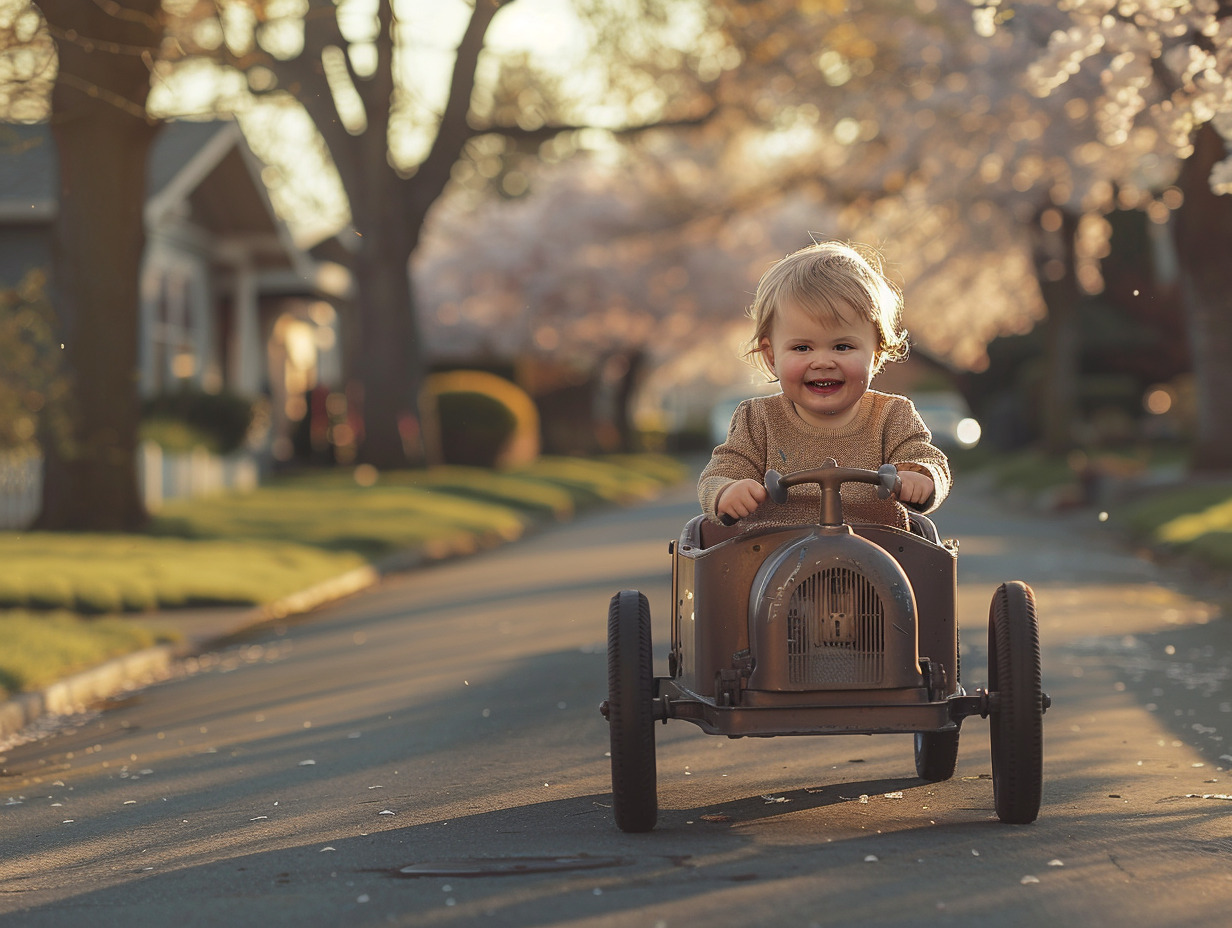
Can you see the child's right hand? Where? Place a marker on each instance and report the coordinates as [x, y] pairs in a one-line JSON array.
[[740, 499]]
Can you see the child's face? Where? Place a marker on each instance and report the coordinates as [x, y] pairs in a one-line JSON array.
[[824, 367]]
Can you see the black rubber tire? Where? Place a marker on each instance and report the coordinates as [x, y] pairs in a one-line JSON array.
[[936, 754], [630, 697], [1016, 720]]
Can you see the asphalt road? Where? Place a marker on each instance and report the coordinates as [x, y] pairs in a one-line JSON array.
[[430, 753]]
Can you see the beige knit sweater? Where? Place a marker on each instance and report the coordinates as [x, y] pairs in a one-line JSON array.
[[767, 432]]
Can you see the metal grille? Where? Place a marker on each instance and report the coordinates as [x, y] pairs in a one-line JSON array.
[[835, 630]]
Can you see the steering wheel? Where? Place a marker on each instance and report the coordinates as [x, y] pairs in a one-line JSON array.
[[830, 477]]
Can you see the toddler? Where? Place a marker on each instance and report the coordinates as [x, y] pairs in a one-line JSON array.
[[825, 321]]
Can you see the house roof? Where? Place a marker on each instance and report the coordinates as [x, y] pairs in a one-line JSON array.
[[176, 145], [27, 173], [202, 170]]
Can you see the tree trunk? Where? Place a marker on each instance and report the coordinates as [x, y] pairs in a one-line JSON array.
[[89, 434], [1202, 229], [390, 368], [1054, 265], [625, 426], [386, 370]]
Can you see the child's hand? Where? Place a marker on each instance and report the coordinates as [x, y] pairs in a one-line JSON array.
[[742, 498], [916, 487]]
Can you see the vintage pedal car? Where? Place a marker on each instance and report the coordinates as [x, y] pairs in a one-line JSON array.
[[822, 630]]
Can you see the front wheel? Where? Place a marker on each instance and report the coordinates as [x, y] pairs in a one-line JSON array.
[[1016, 718], [630, 687]]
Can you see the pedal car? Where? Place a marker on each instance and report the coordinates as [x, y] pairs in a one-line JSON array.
[[823, 629]]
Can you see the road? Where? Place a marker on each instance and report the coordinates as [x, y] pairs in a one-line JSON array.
[[430, 753]]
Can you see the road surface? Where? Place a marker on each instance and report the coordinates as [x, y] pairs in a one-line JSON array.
[[430, 753]]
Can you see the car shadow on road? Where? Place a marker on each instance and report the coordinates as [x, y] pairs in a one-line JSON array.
[[563, 861]]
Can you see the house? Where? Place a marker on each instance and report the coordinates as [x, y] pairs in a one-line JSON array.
[[228, 300]]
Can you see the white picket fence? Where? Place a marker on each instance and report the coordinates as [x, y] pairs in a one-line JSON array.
[[161, 476], [21, 487]]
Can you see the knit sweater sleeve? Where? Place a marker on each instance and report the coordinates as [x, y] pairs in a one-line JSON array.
[[742, 455], [908, 446]]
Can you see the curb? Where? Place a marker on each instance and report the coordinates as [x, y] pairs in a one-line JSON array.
[[78, 692]]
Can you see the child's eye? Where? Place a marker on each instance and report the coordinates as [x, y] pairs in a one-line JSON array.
[[800, 348]]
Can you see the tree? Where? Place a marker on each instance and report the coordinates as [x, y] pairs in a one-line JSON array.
[[783, 161], [985, 178], [106, 53], [1163, 67], [357, 101], [103, 137], [1202, 229], [964, 142], [920, 129], [1053, 234], [632, 277], [914, 126]]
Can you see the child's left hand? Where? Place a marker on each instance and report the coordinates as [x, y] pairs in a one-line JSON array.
[[916, 487]]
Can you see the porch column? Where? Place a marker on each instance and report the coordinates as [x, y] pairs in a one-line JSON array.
[[244, 352]]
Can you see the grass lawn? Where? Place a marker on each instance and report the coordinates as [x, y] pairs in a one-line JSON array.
[[40, 648], [1026, 472], [60, 593], [1195, 520], [1192, 518]]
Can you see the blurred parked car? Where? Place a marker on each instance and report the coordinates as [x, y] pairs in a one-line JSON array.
[[949, 418]]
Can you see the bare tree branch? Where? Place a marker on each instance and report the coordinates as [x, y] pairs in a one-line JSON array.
[[90, 44], [454, 130], [376, 91], [119, 101], [113, 9], [547, 132], [304, 78]]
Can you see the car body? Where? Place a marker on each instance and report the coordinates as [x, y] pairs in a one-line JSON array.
[[830, 628]]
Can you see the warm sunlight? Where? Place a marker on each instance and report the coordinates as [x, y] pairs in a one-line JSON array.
[[303, 186]]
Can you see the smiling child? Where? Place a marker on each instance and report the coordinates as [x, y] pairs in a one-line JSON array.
[[825, 322]]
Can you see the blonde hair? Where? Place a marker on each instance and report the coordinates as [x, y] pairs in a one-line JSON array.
[[829, 280]]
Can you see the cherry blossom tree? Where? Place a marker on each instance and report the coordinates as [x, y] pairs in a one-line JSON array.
[[924, 130], [918, 135], [1163, 69], [986, 186], [622, 275]]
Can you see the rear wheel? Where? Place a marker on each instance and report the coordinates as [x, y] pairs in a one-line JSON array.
[[936, 754], [630, 687], [1016, 717]]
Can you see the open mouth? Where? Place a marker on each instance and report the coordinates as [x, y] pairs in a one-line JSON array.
[[824, 386]]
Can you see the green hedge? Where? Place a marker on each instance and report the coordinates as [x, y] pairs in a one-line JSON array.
[[219, 421], [474, 428]]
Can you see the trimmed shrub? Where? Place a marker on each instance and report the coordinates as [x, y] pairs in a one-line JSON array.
[[220, 421], [475, 428], [30, 378]]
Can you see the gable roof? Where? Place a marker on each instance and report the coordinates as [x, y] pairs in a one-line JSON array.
[[201, 169], [177, 145], [27, 173]]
